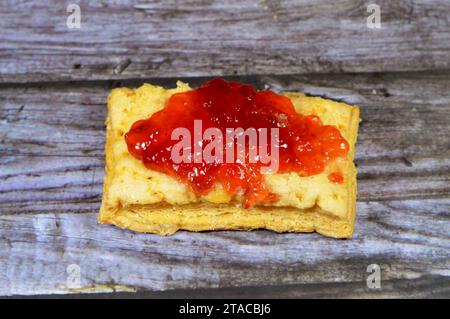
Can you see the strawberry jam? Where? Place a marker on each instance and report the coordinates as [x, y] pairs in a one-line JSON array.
[[336, 178], [302, 143]]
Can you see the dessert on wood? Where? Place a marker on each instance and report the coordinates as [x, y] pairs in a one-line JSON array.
[[225, 156]]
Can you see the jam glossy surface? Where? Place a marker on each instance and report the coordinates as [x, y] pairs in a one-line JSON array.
[[336, 177], [305, 145]]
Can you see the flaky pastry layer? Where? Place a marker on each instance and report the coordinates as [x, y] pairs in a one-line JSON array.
[[140, 199]]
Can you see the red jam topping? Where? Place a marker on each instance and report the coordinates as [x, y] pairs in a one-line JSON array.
[[304, 145], [336, 178]]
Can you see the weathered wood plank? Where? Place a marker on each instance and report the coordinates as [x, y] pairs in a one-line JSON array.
[[408, 239], [424, 287], [161, 38]]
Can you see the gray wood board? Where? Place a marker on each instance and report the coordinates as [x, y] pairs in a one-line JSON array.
[[163, 38], [52, 159]]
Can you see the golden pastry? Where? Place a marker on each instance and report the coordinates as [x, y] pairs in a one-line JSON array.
[[140, 198]]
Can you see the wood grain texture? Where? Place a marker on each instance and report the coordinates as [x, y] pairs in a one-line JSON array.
[[424, 287], [37, 248], [162, 38], [52, 158]]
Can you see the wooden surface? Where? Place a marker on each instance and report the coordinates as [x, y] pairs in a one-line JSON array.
[[54, 83], [160, 38]]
